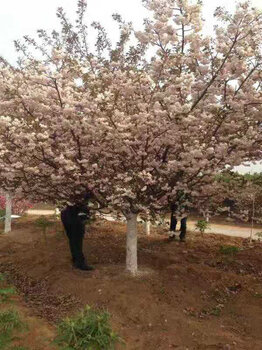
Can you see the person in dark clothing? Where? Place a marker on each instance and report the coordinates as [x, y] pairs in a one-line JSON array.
[[173, 224], [183, 227], [74, 218]]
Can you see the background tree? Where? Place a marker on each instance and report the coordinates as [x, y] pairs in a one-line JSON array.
[[242, 195]]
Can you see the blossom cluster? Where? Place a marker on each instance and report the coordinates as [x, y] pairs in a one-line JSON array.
[[135, 124]]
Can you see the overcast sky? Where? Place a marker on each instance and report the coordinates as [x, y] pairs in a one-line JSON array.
[[21, 17]]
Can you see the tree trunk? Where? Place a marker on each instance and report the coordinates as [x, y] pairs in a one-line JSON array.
[[131, 243], [147, 225], [252, 220], [8, 212]]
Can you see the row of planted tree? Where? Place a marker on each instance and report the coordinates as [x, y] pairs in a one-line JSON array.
[[135, 123]]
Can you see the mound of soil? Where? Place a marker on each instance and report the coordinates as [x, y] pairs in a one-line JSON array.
[[188, 295]]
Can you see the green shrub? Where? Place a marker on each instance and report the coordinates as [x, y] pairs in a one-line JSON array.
[[6, 293], [229, 250], [10, 320], [202, 226], [44, 223], [259, 235], [88, 330], [216, 311], [5, 340]]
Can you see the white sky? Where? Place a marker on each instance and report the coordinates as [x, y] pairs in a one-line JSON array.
[[21, 17], [24, 17]]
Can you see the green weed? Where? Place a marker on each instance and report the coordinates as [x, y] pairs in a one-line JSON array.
[[5, 340], [10, 320], [89, 330], [216, 311], [6, 293], [259, 235], [44, 223], [202, 226], [229, 250], [2, 277], [258, 295]]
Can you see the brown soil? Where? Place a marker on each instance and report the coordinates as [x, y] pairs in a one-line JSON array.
[[188, 295], [37, 333]]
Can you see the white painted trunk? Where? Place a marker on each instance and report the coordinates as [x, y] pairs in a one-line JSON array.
[[8, 213], [147, 225], [131, 243], [252, 220]]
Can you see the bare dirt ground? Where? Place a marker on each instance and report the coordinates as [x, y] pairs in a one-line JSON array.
[[37, 334], [189, 296]]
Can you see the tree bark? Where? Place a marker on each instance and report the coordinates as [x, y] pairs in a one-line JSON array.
[[8, 213], [147, 225], [252, 219], [131, 243]]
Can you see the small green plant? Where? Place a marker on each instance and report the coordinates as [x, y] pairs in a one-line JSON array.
[[202, 226], [2, 277], [162, 290], [5, 340], [259, 235], [44, 223], [88, 330], [229, 250], [6, 293], [216, 311], [258, 295], [9, 321]]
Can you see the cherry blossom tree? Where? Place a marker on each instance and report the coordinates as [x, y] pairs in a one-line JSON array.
[[234, 195], [242, 196], [19, 206], [137, 122]]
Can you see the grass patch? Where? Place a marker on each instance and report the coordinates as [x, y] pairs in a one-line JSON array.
[[2, 277], [229, 250], [5, 340], [9, 321], [6, 293], [216, 311], [88, 330]]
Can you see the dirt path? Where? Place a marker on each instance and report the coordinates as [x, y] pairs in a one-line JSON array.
[[40, 212], [228, 230]]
